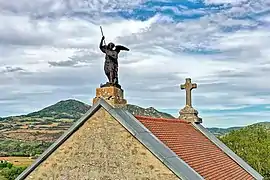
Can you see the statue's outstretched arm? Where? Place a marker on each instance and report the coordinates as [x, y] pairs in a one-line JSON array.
[[101, 46]]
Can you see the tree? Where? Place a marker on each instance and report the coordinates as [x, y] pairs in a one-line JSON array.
[[252, 144]]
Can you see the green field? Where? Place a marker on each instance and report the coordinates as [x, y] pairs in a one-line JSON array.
[[18, 161]]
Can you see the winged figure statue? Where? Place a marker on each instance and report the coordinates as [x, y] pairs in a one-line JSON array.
[[111, 60]]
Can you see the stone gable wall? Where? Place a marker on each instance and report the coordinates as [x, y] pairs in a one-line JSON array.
[[101, 149]]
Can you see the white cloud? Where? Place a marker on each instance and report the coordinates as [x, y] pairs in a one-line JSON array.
[[234, 2], [44, 7], [232, 119], [59, 57]]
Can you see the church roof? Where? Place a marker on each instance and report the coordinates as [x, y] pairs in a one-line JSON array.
[[187, 149], [199, 149]]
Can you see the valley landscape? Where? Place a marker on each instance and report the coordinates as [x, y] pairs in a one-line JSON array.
[[23, 138]]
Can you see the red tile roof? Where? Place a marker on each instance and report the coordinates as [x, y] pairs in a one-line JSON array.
[[195, 149]]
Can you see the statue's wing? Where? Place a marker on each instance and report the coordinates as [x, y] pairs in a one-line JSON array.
[[120, 47]]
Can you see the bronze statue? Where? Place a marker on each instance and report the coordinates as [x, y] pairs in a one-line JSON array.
[[111, 61]]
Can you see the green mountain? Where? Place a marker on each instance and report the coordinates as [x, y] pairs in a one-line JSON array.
[[30, 134], [74, 109], [252, 143], [266, 124], [222, 131], [70, 108]]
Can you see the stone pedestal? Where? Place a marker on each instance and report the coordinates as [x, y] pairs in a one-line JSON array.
[[189, 114], [113, 95]]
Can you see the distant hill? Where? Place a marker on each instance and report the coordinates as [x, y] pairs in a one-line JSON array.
[[74, 109], [139, 111], [252, 143], [70, 108], [222, 131], [266, 124], [38, 129]]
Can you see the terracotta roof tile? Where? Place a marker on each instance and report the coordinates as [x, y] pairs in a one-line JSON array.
[[195, 149]]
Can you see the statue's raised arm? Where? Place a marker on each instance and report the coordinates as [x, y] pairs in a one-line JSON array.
[[101, 46]]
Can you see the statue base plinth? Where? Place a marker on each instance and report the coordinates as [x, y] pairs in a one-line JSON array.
[[111, 94], [189, 114], [110, 85]]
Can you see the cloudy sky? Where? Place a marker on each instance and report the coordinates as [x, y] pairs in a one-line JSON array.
[[49, 52]]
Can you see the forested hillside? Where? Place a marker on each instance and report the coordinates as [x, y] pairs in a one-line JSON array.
[[252, 144]]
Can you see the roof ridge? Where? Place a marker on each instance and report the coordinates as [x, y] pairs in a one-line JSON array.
[[162, 119]]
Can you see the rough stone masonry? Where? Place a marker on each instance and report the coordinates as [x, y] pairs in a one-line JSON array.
[[113, 95]]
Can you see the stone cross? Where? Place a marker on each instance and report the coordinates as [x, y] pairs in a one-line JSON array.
[[188, 86]]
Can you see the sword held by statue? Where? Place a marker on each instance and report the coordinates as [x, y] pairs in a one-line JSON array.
[[102, 34]]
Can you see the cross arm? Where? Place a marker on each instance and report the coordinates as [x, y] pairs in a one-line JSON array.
[[183, 86], [194, 85]]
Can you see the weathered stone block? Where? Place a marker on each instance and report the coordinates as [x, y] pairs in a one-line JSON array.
[[189, 114], [113, 95]]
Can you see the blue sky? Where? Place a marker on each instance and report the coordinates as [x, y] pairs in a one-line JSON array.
[[49, 52]]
